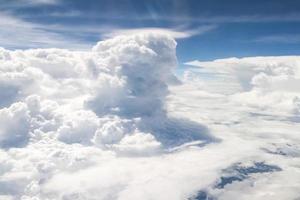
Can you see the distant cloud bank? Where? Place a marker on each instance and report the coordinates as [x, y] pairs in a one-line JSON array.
[[114, 122]]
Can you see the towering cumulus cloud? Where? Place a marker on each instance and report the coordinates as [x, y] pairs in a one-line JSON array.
[[138, 67], [123, 79], [107, 124], [63, 111]]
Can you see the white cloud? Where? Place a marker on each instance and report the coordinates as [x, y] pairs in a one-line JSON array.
[[106, 124], [41, 2], [15, 124], [143, 63], [284, 38], [267, 82], [21, 33], [18, 33], [175, 33]]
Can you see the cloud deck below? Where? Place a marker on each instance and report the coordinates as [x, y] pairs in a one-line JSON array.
[[110, 124]]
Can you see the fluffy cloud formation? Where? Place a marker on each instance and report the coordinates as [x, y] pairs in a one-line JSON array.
[[140, 69], [14, 125], [271, 83], [256, 102], [62, 111], [107, 124]]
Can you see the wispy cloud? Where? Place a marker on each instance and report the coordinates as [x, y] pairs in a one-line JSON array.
[[286, 38], [14, 5], [174, 32], [256, 18], [291, 17], [16, 32], [40, 2]]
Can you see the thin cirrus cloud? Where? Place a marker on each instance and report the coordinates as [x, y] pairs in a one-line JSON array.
[[23, 4], [183, 18], [19, 33], [175, 33], [40, 2], [285, 38]]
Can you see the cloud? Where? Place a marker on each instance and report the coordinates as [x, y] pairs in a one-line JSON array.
[[41, 2], [24, 4], [107, 124], [110, 100], [22, 33], [184, 19], [268, 82], [14, 125], [19, 33], [287, 39], [143, 66], [259, 18], [175, 33]]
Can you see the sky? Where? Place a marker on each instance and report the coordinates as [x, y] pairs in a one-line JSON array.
[[204, 29], [110, 123], [91, 106]]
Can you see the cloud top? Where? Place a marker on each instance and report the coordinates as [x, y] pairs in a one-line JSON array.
[[107, 124]]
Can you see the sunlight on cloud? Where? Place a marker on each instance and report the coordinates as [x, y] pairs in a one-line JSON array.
[[110, 123], [270, 83], [18, 33], [41, 2], [175, 33], [109, 101]]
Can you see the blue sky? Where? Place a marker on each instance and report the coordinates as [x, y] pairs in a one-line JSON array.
[[204, 29]]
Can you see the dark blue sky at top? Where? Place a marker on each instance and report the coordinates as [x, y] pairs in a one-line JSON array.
[[241, 28]]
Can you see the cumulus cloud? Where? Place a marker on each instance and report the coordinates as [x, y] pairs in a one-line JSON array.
[[14, 125], [267, 82], [57, 102], [141, 67], [107, 124]]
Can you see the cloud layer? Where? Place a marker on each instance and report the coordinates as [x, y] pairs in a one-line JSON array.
[[102, 104], [109, 124]]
